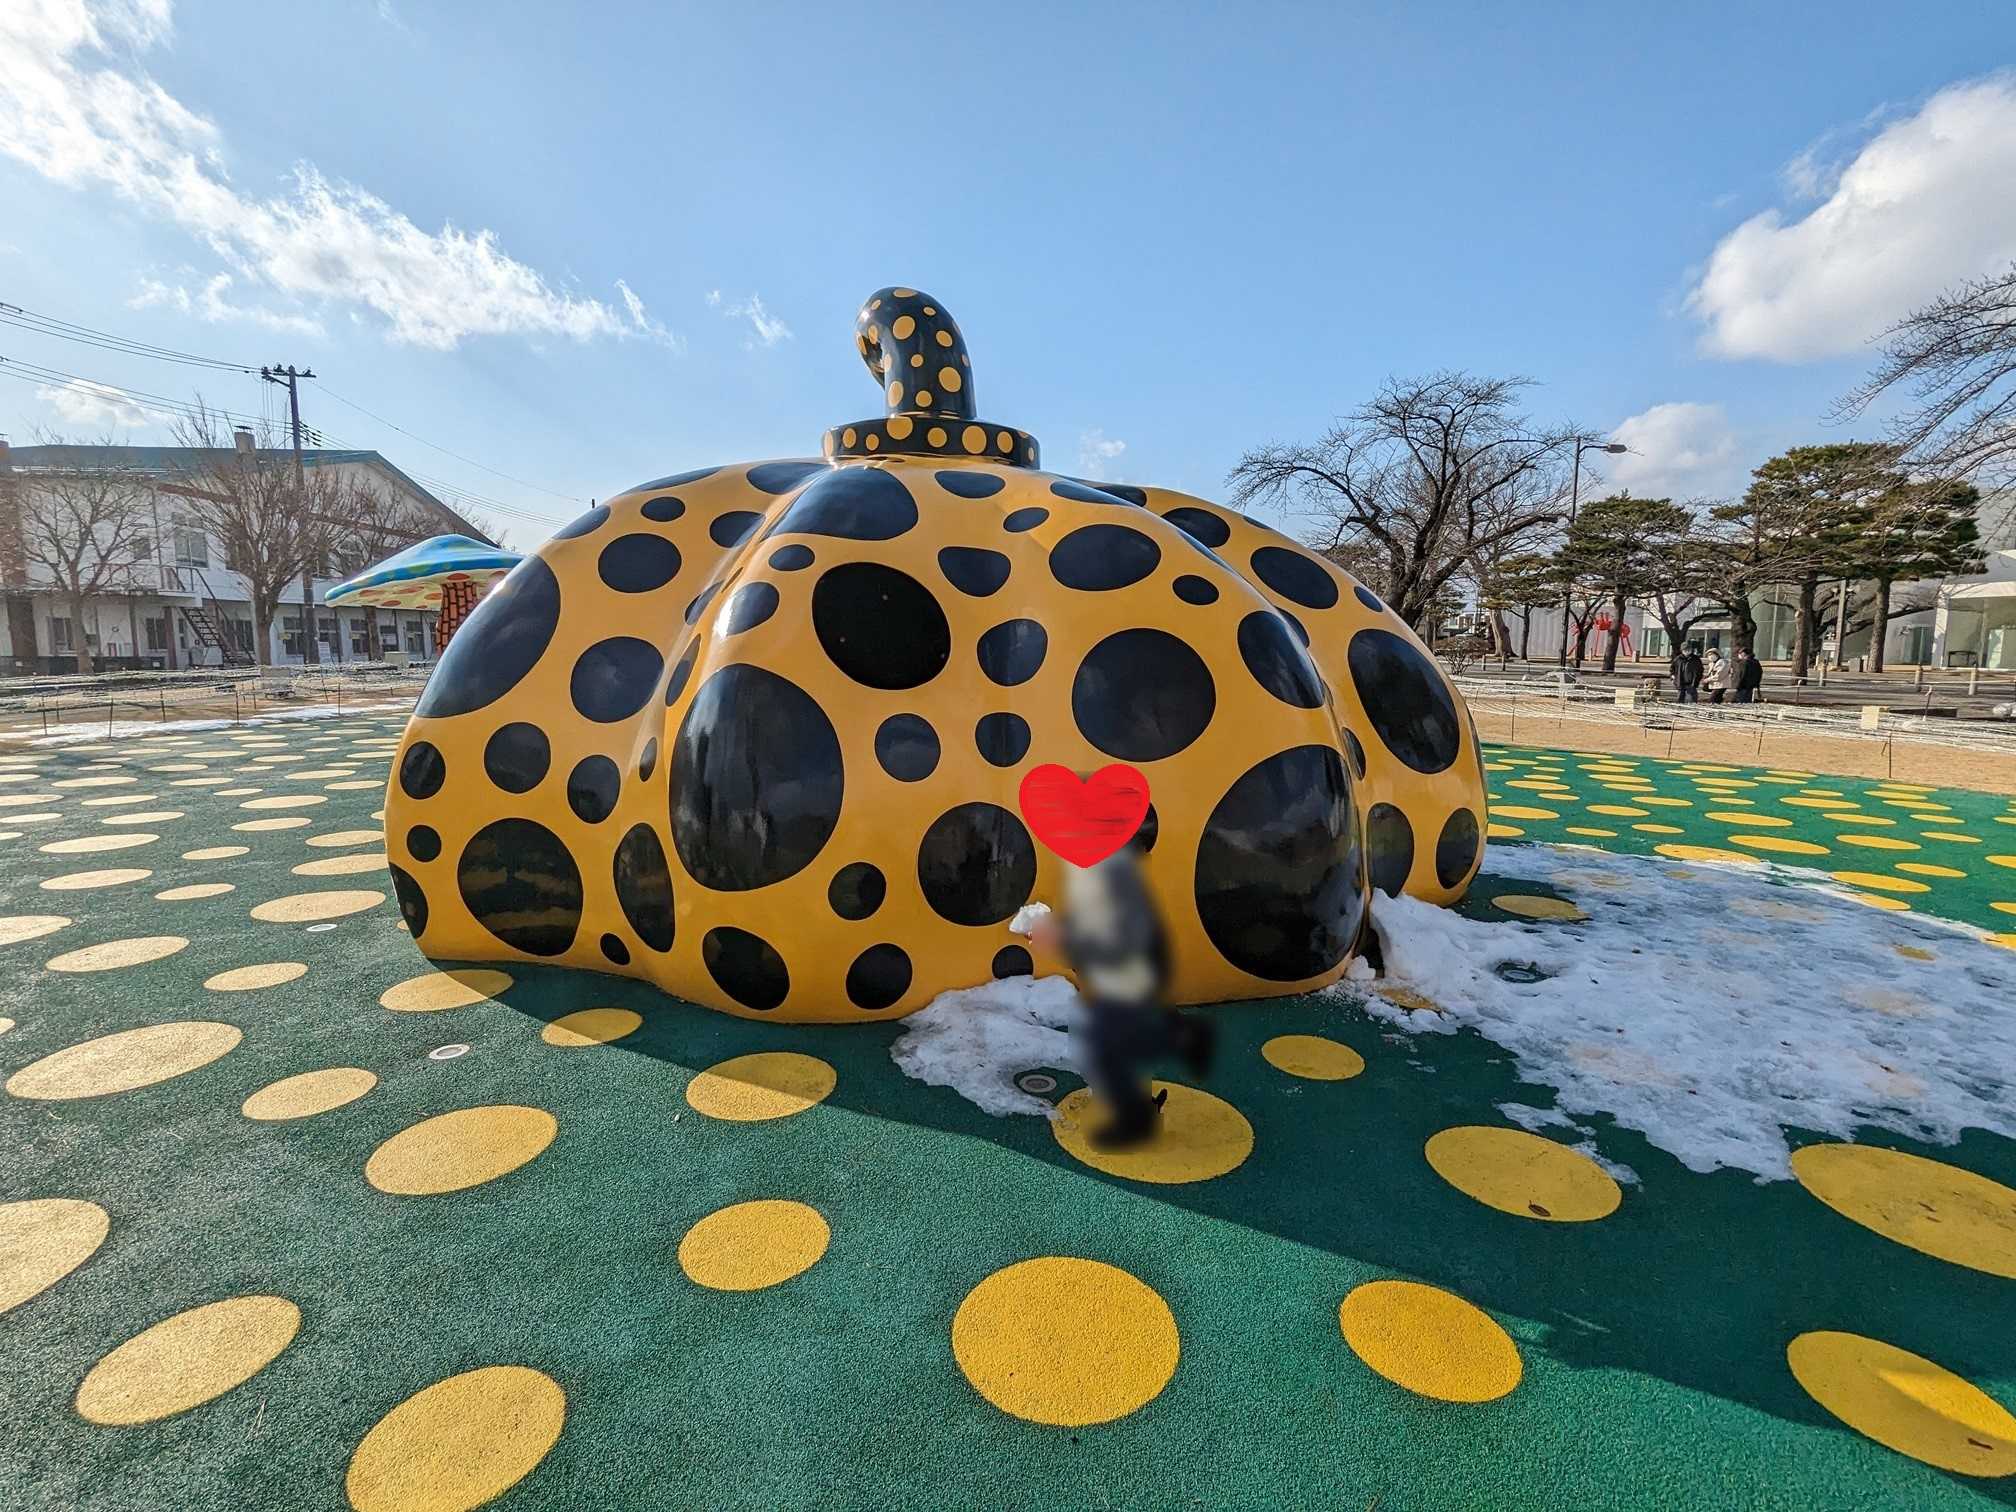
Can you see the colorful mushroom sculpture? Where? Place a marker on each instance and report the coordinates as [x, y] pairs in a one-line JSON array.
[[755, 733], [448, 573]]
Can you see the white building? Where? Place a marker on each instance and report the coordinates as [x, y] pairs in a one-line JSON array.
[[184, 607]]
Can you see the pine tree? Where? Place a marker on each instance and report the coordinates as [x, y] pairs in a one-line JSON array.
[[1921, 530]]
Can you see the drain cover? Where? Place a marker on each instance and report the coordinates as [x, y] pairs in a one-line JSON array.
[[1036, 1082], [319, 928], [1521, 972], [447, 1052]]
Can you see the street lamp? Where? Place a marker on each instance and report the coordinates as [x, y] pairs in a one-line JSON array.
[[1574, 492]]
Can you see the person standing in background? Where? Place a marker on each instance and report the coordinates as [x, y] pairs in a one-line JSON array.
[[1749, 678], [1714, 676], [1687, 674]]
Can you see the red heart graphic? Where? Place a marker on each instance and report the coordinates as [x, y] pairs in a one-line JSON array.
[[1084, 821]]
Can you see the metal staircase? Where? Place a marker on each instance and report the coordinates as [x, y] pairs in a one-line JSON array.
[[208, 632]]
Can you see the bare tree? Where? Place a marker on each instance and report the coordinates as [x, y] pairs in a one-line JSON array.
[[1955, 359], [1425, 479], [88, 528]]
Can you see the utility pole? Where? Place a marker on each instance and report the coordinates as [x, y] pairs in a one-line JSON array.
[[289, 377]]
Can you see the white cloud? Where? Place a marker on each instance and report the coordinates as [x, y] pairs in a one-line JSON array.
[[1097, 453], [1678, 451], [92, 404], [75, 108], [766, 329], [209, 303], [1923, 205]]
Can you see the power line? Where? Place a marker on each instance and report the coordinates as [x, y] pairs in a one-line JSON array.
[[64, 330], [509, 478]]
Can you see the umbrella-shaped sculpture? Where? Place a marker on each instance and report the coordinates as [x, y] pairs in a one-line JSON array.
[[448, 573]]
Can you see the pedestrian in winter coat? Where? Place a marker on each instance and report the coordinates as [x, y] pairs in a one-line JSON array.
[[1687, 675], [1749, 678], [1714, 676]]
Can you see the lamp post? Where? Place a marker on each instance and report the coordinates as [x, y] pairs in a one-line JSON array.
[[1574, 493]]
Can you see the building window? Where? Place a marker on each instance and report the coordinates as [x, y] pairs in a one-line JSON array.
[[415, 644], [241, 632], [157, 634], [325, 631], [192, 547], [290, 634], [388, 635], [59, 633], [360, 643]]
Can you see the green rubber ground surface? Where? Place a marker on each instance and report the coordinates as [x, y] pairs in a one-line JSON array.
[[1652, 1341]]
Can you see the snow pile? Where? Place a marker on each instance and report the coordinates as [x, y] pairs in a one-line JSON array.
[[975, 1040], [70, 734], [1709, 1006]]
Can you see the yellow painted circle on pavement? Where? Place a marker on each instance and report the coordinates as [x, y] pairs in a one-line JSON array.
[[124, 1061], [459, 1443], [85, 881], [444, 989], [85, 845], [42, 1240], [337, 838], [1066, 1342], [216, 852], [350, 865], [591, 1026], [1926, 1205], [1778, 844], [1497, 831], [770, 1084], [18, 927], [1523, 1174], [1680, 852], [1905, 1402], [302, 908], [466, 1148], [266, 826], [193, 890], [1879, 882], [1515, 811], [1619, 810], [1534, 906], [1927, 869], [187, 1360], [751, 1245], [250, 978], [308, 1094], [285, 801], [114, 954], [1313, 1057], [1198, 1137], [1430, 1341], [1877, 842], [1746, 818]]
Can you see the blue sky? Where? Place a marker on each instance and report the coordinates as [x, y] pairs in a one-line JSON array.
[[1170, 232]]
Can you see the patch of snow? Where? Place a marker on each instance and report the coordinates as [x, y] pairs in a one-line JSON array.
[[1711, 1006], [976, 1039], [72, 734], [1027, 917]]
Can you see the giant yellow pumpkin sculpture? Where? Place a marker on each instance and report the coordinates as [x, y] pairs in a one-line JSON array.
[[755, 733]]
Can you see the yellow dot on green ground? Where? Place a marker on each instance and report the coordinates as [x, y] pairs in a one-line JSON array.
[[286, 801], [124, 1061], [752, 1088], [1429, 1341], [1817, 803], [187, 1360], [1779, 844], [591, 1026], [1532, 906], [1849, 817], [1905, 1402], [216, 852], [1066, 1342], [1619, 810], [112, 955], [1877, 842], [458, 1444], [1877, 900], [301, 908], [194, 890], [1502, 831], [437, 990], [1755, 821], [1926, 1205], [1199, 1137], [1927, 869], [1992, 860], [308, 1094], [2008, 908], [250, 978], [1312, 1056], [266, 826], [466, 1148], [1879, 882], [84, 881], [1951, 836], [19, 927], [85, 845], [1514, 811], [752, 1245], [1660, 829], [42, 1241], [1703, 853], [1523, 1174], [338, 838], [1658, 802], [343, 866], [1597, 834]]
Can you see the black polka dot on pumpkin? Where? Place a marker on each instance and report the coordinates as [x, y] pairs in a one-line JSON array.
[[664, 510], [1200, 525], [644, 886], [793, 558], [733, 528], [1279, 878], [879, 976], [518, 881], [592, 788], [423, 842], [581, 525], [752, 604], [1456, 848], [516, 756], [756, 780], [881, 627], [647, 763], [1097, 558], [1357, 749], [976, 864], [1012, 961], [1127, 493], [412, 900], [1002, 739], [637, 563], [422, 770], [857, 890], [1149, 832], [1406, 700], [972, 484], [745, 967], [1301, 630], [699, 604], [782, 477], [1368, 598], [1019, 520], [1083, 493], [972, 570], [677, 480], [614, 678], [615, 951], [497, 645], [1276, 662], [1012, 651], [681, 675], [1195, 590], [1389, 839], [854, 504], [1142, 695], [1296, 576], [907, 747]]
